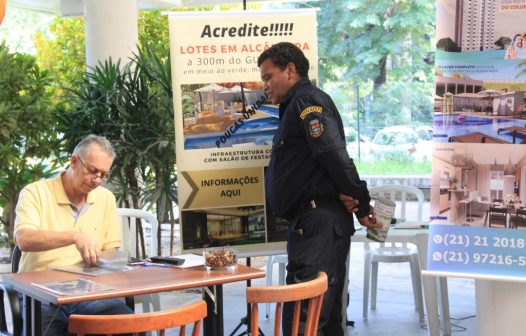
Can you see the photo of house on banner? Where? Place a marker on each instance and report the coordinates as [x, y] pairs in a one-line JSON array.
[[480, 75], [217, 115], [479, 185], [223, 226], [478, 116]]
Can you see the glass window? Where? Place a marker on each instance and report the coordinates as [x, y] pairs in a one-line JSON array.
[[496, 184]]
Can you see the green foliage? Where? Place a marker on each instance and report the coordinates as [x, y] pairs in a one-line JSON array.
[[20, 26], [63, 55], [502, 42], [131, 105], [358, 44], [393, 165], [401, 103], [27, 136], [447, 44], [153, 33]]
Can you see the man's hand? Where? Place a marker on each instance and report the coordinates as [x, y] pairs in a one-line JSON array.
[[88, 248], [370, 220], [350, 203]]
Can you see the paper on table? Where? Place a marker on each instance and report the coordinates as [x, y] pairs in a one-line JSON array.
[[74, 286], [190, 260], [92, 270]]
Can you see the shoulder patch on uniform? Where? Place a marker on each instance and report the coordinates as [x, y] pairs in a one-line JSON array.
[[315, 128], [310, 110]]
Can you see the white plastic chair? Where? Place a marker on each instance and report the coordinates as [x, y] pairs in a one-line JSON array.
[[390, 253], [128, 232], [282, 260], [129, 243]]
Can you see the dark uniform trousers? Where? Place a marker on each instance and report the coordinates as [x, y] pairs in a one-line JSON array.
[[319, 240]]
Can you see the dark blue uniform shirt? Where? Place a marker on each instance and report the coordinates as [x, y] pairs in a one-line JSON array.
[[309, 157]]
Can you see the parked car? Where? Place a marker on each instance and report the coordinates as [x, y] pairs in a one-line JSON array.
[[351, 137], [401, 140], [425, 133]]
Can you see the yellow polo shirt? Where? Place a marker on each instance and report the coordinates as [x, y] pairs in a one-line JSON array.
[[43, 205]]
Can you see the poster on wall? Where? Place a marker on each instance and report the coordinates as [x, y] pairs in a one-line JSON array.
[[225, 123], [478, 181]]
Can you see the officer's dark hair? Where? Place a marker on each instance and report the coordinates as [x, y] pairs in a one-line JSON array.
[[284, 53]]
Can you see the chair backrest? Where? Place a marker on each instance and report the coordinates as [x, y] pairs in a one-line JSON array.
[[12, 300], [128, 232], [520, 218], [310, 290], [137, 323], [391, 191], [15, 259], [497, 215]]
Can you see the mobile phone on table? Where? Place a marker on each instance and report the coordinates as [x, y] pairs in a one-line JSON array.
[[167, 260]]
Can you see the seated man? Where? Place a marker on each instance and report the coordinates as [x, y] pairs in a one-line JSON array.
[[70, 219]]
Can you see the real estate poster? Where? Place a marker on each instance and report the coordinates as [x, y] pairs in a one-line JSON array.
[[479, 129], [479, 100], [225, 123]]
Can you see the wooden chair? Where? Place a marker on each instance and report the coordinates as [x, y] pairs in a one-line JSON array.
[[497, 217], [310, 290], [137, 323]]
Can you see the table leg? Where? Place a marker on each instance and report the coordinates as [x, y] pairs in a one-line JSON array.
[[36, 317], [26, 315], [430, 286], [32, 316], [444, 305], [219, 312], [213, 322]]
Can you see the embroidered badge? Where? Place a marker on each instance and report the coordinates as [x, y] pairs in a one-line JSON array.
[[310, 110], [315, 128]]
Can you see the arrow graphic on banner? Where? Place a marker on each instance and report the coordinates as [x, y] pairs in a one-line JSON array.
[[229, 187], [194, 187]]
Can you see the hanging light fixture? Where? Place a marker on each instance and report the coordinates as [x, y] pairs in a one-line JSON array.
[[509, 168], [493, 167]]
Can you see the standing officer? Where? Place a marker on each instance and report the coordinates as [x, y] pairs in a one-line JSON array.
[[311, 181]]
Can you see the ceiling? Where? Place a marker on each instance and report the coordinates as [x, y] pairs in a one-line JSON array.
[[76, 7], [469, 154]]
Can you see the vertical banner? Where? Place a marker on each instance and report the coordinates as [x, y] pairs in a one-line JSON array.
[[479, 127], [225, 124]]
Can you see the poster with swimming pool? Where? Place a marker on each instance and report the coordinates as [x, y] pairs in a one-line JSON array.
[[224, 123]]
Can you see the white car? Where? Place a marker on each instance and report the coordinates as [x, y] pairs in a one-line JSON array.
[[401, 141], [351, 137], [425, 133]]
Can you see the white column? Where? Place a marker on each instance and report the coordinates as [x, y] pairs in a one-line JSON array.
[[500, 308], [111, 30]]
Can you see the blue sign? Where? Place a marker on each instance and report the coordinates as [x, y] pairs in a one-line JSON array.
[[477, 250]]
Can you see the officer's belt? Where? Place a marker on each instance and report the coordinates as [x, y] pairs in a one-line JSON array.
[[313, 203]]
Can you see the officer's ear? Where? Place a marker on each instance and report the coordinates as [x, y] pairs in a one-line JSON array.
[[291, 71]]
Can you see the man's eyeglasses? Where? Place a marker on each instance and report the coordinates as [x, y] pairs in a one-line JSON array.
[[94, 172]]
